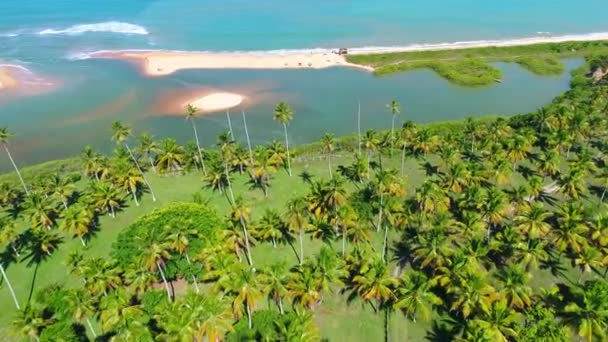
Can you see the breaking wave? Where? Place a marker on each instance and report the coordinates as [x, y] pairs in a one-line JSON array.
[[108, 27]]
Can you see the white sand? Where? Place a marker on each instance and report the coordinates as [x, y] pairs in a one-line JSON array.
[[167, 62], [158, 63], [216, 102]]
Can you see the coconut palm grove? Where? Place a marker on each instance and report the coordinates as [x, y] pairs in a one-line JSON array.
[[490, 229]]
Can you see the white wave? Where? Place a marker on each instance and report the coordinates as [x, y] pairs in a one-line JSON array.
[[596, 36], [17, 66], [109, 27]]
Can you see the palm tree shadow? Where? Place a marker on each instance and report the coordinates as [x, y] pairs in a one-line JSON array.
[[526, 171], [440, 332], [430, 169], [33, 284]]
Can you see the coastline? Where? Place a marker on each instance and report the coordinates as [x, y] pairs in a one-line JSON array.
[[166, 62]]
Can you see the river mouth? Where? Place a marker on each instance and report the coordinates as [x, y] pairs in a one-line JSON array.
[[96, 92]]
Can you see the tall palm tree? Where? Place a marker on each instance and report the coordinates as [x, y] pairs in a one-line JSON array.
[[244, 284], [242, 214], [81, 305], [120, 136], [394, 108], [247, 136], [147, 146], [128, 179], [328, 143], [297, 220], [105, 197], [170, 156], [283, 114], [77, 221], [190, 115], [415, 296], [154, 257], [229, 124], [5, 135], [274, 280]]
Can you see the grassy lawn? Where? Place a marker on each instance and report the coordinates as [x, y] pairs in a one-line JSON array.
[[348, 321], [470, 67]]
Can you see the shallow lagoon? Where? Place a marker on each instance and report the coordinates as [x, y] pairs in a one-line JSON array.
[[96, 92]]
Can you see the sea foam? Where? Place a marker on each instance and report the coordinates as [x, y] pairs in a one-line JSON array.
[[109, 26]]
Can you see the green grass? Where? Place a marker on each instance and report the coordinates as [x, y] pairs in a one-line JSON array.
[[470, 67], [542, 66], [466, 72]]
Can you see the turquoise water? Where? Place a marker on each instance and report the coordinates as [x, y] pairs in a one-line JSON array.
[[47, 36]]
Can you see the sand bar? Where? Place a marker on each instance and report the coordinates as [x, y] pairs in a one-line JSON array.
[[159, 63], [6, 80], [215, 102]]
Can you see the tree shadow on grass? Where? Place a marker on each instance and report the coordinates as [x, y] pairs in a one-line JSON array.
[[33, 284]]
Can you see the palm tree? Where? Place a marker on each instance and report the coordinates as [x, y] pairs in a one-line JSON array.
[[244, 284], [179, 241], [297, 220], [128, 179], [77, 221], [153, 258], [123, 316], [376, 285], [283, 114], [415, 296], [406, 137], [190, 115], [328, 142], [120, 136], [5, 135], [586, 311], [81, 305], [394, 109], [105, 197], [170, 156], [515, 291], [41, 211], [263, 168], [147, 145], [29, 323], [61, 188], [242, 214], [274, 279], [371, 143], [226, 146], [533, 221]]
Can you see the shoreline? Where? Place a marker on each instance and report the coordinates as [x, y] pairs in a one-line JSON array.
[[166, 62], [161, 63]]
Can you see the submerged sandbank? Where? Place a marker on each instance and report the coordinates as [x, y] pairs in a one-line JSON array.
[[7, 81], [159, 63], [215, 102]]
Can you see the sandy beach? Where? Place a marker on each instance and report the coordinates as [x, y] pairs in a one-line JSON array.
[[6, 80], [159, 63]]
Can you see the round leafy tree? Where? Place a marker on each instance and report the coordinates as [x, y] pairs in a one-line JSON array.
[[180, 229]]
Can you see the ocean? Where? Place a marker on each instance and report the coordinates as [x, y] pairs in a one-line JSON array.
[[50, 38]]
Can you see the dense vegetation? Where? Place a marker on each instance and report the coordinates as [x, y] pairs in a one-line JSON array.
[[470, 67], [483, 230]]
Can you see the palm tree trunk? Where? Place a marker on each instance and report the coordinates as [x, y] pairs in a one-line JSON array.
[[162, 274], [384, 245], [134, 193], [248, 315], [27, 192], [329, 166], [281, 310], [10, 287], [380, 212], [84, 244], [142, 172], [249, 259], [198, 148], [152, 164], [603, 194], [65, 204], [112, 211], [386, 325], [287, 149], [229, 124], [15, 249], [91, 327], [301, 246], [359, 124], [402, 160], [343, 241], [247, 135], [368, 164], [193, 277], [229, 182], [392, 134]]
